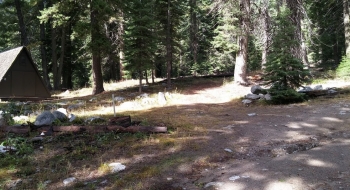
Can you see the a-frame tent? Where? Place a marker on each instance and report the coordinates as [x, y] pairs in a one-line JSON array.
[[19, 77]]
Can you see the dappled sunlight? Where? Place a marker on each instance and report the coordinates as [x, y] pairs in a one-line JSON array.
[[232, 186], [299, 125], [332, 119], [283, 184], [319, 163]]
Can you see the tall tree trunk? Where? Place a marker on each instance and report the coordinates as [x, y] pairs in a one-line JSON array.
[[140, 80], [96, 53], [62, 57], [43, 51], [240, 74], [347, 26], [121, 48], [54, 56], [193, 31], [266, 31], [67, 67], [22, 27], [304, 50], [295, 7], [169, 45]]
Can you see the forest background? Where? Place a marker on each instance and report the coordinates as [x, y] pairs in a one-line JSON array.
[[82, 43]]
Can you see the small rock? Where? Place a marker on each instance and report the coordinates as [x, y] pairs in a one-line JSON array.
[[92, 99], [252, 96], [246, 102], [69, 180], [216, 184], [251, 114], [229, 127], [4, 149], [71, 117], [104, 182], [228, 150], [268, 97], [116, 167], [318, 87], [119, 99], [94, 120], [233, 178], [332, 91]]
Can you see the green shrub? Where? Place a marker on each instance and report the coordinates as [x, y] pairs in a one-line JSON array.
[[343, 70], [286, 96]]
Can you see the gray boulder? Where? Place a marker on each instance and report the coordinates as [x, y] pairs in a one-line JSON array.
[[256, 89], [45, 118], [268, 97], [252, 96], [59, 115]]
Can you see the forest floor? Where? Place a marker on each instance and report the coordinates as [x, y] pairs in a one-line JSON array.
[[213, 142]]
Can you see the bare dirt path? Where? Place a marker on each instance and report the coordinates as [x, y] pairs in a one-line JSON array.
[[299, 146]]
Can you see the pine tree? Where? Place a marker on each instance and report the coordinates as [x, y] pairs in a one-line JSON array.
[[139, 38], [284, 71]]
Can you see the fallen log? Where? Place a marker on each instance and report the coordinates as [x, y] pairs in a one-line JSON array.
[[135, 129], [123, 121], [89, 129], [16, 129], [107, 128]]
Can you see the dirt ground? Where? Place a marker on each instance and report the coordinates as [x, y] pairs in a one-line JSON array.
[[298, 146], [215, 142]]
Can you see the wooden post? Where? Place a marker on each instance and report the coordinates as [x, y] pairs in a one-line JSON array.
[[113, 104]]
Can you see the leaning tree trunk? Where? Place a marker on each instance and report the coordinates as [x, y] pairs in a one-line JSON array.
[[96, 52], [22, 28], [240, 73]]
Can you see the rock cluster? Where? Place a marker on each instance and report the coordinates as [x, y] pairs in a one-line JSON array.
[[257, 93]]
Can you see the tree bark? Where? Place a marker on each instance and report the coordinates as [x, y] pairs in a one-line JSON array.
[[346, 27], [266, 31], [54, 56], [22, 28], [193, 31], [296, 15], [169, 45], [240, 73], [43, 51], [121, 48], [96, 53], [62, 57]]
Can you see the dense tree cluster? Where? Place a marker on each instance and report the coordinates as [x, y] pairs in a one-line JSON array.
[[82, 43]]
